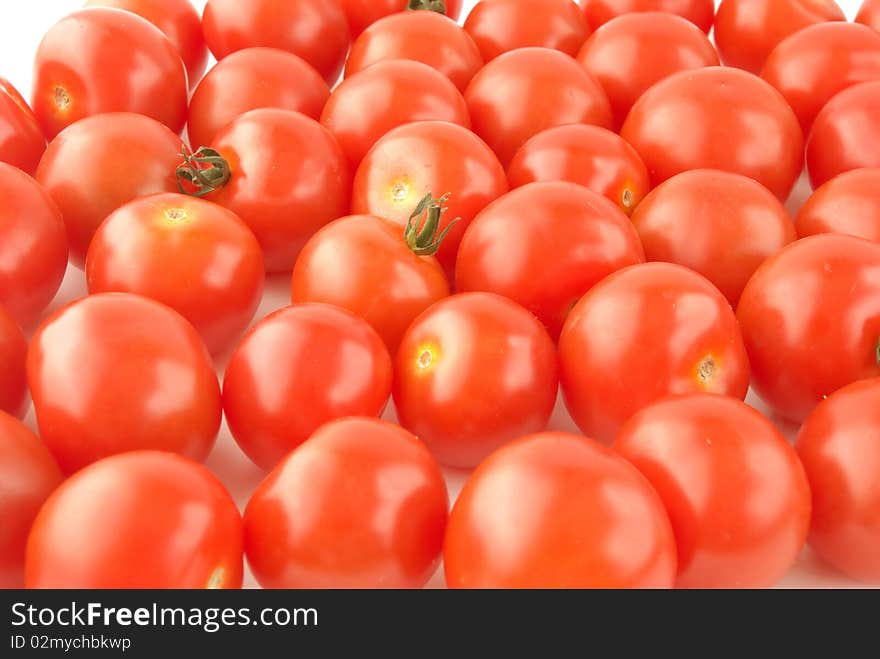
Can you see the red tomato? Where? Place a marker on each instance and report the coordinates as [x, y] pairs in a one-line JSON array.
[[361, 504], [13, 383], [386, 95], [473, 372], [630, 54], [21, 139], [152, 244], [734, 488], [100, 60], [869, 14], [249, 79], [544, 245], [29, 474], [839, 447], [297, 369], [717, 118], [818, 62], [719, 224], [811, 321], [429, 156], [363, 13], [555, 510], [33, 246], [699, 12], [849, 203], [117, 372], [423, 36], [101, 163], [525, 91], [312, 29], [145, 519], [642, 334]]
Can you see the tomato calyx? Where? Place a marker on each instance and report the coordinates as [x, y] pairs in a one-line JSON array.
[[431, 5], [202, 171], [421, 229], [877, 355]]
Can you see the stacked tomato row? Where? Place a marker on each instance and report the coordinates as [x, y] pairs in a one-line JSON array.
[[550, 194]]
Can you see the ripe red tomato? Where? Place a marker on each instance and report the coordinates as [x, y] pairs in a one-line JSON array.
[[21, 139], [717, 118], [629, 54], [101, 163], [363, 13], [719, 224], [361, 504], [818, 62], [153, 244], [33, 246], [839, 447], [386, 95], [13, 382], [473, 372], [297, 369], [249, 79], [869, 14], [315, 30], [555, 510], [29, 474], [644, 333], [849, 203], [145, 519], [523, 92], [117, 372], [429, 157], [423, 36], [138, 68], [544, 245], [811, 321], [699, 12]]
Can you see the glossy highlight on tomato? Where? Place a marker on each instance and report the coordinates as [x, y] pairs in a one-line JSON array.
[[21, 139], [13, 379], [849, 203]]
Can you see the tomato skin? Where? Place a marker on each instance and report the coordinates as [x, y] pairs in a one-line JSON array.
[[849, 203], [361, 504], [140, 71], [13, 380], [141, 375], [719, 224], [717, 118], [361, 14], [543, 246], [363, 264], [21, 139], [548, 511], [699, 12], [145, 519], [869, 14]]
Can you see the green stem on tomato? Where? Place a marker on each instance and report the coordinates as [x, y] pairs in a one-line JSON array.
[[201, 172], [421, 235], [431, 5]]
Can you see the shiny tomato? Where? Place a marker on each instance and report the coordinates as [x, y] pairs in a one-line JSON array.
[[630, 54], [117, 372], [717, 118], [849, 203], [21, 139], [249, 79], [699, 12], [363, 13], [153, 244], [13, 351], [145, 519], [552, 511], [297, 369], [544, 245], [138, 70], [386, 95], [869, 14], [525, 91], [811, 321], [719, 224], [361, 504], [840, 450]]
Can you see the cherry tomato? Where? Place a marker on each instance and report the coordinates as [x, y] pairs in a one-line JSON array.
[[473, 372], [719, 224], [117, 372], [13, 382], [525, 91], [33, 246], [811, 321], [152, 244], [628, 55], [29, 474], [21, 139], [145, 519], [699, 12], [100, 163], [544, 245], [102, 60], [249, 79], [423, 36], [869, 14], [297, 369], [849, 203], [717, 118], [315, 30], [388, 94], [556, 510], [644, 333], [361, 504], [840, 449], [361, 14]]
